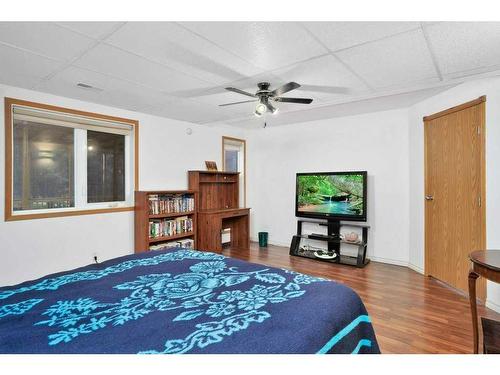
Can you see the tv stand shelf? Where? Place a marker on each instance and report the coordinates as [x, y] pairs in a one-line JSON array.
[[333, 241]]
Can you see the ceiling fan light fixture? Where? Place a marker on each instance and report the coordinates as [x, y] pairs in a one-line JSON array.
[[260, 109], [264, 97]]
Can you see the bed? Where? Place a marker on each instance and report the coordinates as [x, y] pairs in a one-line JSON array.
[[183, 301]]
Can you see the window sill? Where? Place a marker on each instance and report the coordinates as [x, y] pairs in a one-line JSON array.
[[44, 215]]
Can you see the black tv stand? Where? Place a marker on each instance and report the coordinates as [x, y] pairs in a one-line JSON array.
[[334, 241], [318, 236]]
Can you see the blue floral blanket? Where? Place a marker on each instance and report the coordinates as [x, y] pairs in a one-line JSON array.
[[183, 301]]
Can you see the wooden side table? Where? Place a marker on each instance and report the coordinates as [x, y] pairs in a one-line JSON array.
[[485, 263]]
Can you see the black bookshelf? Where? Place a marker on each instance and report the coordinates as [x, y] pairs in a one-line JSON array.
[[334, 241]]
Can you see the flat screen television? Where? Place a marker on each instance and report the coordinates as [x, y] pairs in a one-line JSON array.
[[331, 195]]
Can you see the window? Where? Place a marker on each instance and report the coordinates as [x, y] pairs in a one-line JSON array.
[[62, 162], [231, 159], [234, 160], [105, 167], [43, 166]]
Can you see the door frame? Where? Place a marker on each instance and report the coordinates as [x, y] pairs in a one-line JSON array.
[[481, 101]]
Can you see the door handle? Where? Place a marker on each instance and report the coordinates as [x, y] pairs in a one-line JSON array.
[[429, 197]]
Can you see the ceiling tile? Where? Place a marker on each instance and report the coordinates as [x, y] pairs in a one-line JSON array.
[[181, 49], [268, 45], [24, 69], [110, 91], [340, 35], [45, 38], [127, 66], [224, 98], [399, 60], [96, 30], [322, 71], [188, 110], [464, 46], [232, 112], [132, 97]]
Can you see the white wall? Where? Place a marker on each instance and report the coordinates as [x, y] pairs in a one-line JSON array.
[[375, 142], [460, 94], [34, 248]]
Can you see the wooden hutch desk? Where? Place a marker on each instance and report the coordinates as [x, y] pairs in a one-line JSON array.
[[218, 202], [212, 222]]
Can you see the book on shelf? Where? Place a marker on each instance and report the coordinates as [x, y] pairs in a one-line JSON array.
[[167, 228], [187, 243], [167, 204]]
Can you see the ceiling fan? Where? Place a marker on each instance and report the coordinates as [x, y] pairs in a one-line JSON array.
[[264, 96]]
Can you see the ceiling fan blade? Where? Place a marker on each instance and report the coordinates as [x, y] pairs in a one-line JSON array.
[[285, 88], [240, 91], [294, 100], [244, 101], [327, 89]]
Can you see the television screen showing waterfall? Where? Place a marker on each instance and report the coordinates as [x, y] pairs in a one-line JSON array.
[[335, 195]]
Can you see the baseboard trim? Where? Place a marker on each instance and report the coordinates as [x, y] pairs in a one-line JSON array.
[[492, 305], [416, 268], [394, 262], [274, 243]]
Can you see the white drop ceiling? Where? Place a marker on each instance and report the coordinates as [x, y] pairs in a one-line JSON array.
[[179, 70]]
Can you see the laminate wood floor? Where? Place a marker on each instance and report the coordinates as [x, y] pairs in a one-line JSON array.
[[411, 313]]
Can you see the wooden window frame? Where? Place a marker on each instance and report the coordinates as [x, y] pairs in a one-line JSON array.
[[224, 138], [9, 216]]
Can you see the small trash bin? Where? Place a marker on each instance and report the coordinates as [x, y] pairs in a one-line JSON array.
[[263, 239]]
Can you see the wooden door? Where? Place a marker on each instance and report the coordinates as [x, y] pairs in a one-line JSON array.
[[455, 192]]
